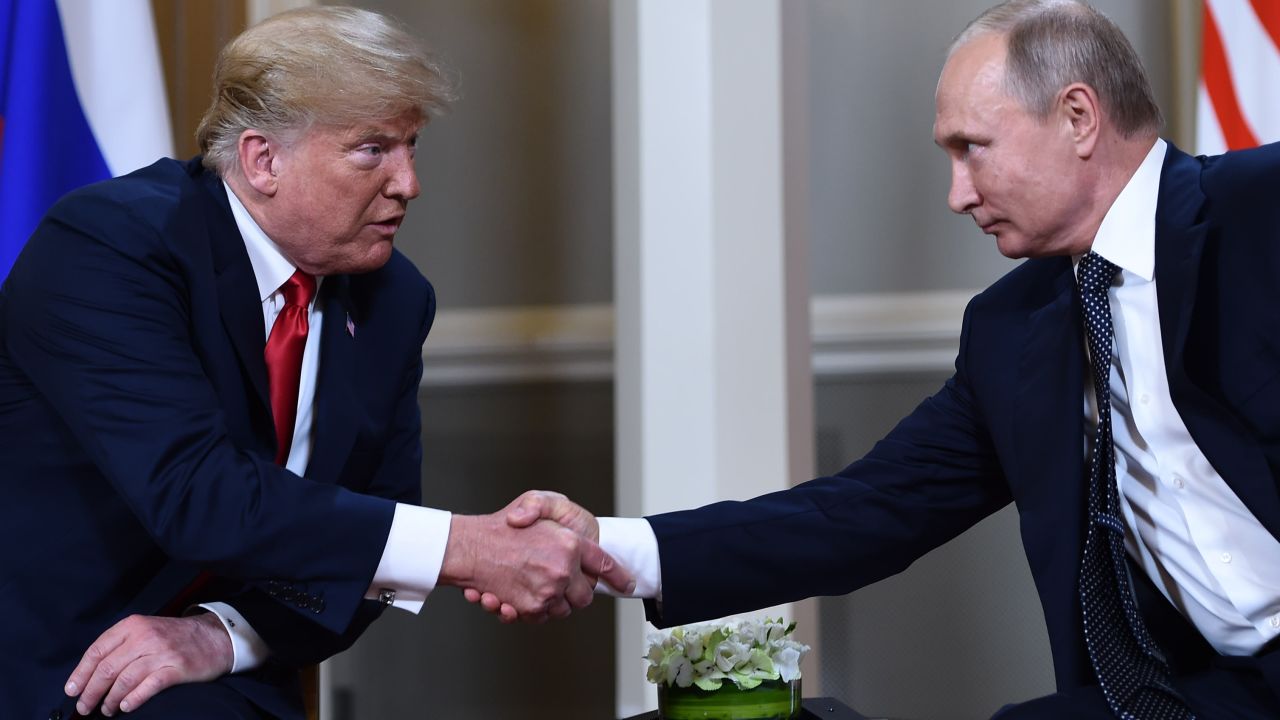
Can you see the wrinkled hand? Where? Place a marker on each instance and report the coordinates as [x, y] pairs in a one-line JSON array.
[[140, 656], [542, 570], [529, 508], [537, 505]]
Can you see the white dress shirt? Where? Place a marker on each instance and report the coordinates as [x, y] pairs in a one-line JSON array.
[[1197, 541], [1188, 530], [411, 560]]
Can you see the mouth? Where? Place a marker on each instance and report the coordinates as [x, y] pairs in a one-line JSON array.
[[989, 227], [389, 225]]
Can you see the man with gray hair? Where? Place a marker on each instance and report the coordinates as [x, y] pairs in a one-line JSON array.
[[209, 402], [1120, 387]]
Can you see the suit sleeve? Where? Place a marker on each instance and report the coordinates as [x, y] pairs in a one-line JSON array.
[[931, 478], [99, 320], [292, 638]]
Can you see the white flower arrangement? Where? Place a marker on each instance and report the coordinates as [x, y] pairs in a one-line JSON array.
[[748, 652]]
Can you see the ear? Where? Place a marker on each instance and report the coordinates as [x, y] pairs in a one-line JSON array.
[[1079, 111], [259, 160]]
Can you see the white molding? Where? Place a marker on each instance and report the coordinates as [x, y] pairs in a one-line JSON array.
[[519, 344], [853, 335], [887, 333]]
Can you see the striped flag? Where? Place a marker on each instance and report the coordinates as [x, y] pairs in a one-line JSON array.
[[1239, 102], [81, 99]]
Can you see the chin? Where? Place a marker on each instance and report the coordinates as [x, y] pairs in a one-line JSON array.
[[376, 257], [1012, 246]]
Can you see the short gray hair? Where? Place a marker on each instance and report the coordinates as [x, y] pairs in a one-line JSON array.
[[333, 66], [1053, 43]]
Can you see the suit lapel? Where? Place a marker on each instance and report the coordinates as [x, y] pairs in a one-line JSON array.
[[335, 423], [1179, 244], [1049, 417], [238, 301], [1181, 233]]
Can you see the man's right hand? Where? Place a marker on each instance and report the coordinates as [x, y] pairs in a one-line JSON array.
[[537, 506], [540, 569]]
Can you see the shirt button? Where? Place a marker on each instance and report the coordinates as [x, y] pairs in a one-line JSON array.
[[1144, 398], [1225, 557], [1178, 483], [1275, 621]]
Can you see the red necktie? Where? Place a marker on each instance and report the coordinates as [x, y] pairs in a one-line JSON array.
[[284, 371], [284, 357]]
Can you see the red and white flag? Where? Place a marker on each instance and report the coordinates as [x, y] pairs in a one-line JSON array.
[[1239, 102]]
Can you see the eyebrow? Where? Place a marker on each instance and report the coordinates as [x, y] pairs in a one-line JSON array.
[[958, 138]]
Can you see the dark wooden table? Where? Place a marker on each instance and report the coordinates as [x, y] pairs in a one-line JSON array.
[[824, 708]]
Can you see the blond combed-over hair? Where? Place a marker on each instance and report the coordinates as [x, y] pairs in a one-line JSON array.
[[331, 66]]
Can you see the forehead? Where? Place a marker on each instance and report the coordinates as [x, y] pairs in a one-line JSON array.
[[971, 86], [400, 127]]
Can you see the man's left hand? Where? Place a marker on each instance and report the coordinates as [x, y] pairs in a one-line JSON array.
[[140, 656]]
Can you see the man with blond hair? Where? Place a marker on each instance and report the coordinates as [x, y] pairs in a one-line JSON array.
[[209, 425]]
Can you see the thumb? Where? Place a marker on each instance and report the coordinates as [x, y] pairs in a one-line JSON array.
[[527, 510], [597, 563]]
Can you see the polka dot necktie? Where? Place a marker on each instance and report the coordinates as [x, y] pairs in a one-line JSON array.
[[1131, 670]]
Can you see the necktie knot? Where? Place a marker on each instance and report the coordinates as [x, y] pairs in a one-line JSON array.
[[1096, 273], [299, 289]]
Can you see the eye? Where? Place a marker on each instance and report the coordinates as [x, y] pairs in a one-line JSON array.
[[371, 149]]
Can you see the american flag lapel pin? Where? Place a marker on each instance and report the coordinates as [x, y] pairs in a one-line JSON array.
[[351, 327]]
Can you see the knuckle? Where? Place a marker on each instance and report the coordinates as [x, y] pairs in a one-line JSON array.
[[107, 669], [158, 681], [126, 679]]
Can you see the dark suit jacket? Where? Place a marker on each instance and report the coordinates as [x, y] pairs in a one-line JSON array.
[[1008, 425], [136, 441]]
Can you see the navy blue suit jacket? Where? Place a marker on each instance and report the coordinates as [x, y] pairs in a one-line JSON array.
[[1008, 425], [136, 440]]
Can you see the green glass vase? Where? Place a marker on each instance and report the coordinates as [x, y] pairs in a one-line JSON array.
[[770, 700]]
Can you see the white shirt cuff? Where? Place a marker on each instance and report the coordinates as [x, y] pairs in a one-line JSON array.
[[632, 543], [411, 560], [248, 651]]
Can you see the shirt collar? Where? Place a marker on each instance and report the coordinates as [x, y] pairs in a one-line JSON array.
[[270, 267], [1127, 236]]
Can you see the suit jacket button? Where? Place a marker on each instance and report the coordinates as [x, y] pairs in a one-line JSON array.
[[55, 715]]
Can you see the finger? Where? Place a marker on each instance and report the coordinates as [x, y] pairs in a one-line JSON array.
[[108, 669], [471, 594], [507, 614], [537, 505], [559, 609], [490, 602], [161, 679], [108, 673], [103, 646], [599, 564], [136, 674], [527, 509], [580, 592]]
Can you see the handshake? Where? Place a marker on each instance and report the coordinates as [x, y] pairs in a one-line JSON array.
[[535, 559]]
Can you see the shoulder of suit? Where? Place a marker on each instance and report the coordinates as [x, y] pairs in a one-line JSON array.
[[1030, 285], [1243, 176], [149, 196]]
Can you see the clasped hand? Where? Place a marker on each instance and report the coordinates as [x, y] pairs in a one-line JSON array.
[[536, 559]]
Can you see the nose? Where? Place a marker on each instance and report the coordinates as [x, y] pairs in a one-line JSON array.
[[963, 196], [403, 183]]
